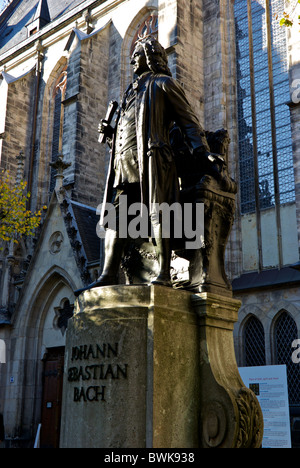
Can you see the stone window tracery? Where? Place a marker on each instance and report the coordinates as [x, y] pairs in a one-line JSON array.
[[62, 314], [147, 27], [58, 95]]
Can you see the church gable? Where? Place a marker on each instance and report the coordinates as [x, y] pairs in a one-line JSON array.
[[53, 250], [61, 249]]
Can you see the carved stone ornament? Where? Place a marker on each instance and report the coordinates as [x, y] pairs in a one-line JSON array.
[[250, 433], [214, 424], [55, 242]]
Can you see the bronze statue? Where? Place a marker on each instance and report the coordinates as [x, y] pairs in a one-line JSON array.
[[142, 164]]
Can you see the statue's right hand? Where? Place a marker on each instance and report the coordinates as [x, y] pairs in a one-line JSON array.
[[102, 127], [105, 128]]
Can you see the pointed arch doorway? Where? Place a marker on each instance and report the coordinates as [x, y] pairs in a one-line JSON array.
[[52, 397], [53, 370], [52, 306]]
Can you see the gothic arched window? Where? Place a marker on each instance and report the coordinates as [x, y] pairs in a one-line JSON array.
[[254, 343], [285, 332]]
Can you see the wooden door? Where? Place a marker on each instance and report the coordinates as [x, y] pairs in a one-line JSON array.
[[52, 397]]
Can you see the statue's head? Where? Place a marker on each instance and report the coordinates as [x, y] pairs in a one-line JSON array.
[[149, 54]]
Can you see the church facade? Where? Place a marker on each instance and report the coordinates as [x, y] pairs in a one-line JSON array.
[[61, 63]]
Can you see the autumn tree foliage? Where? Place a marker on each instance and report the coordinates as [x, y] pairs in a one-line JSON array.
[[15, 219], [288, 17]]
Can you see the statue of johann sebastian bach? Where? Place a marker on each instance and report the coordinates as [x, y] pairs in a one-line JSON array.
[[142, 164]]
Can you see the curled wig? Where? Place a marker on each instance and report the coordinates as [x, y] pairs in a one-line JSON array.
[[156, 56]]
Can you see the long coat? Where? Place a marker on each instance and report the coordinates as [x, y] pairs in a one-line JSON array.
[[160, 101]]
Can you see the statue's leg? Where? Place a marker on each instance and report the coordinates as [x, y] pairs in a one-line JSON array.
[[114, 248], [164, 251]]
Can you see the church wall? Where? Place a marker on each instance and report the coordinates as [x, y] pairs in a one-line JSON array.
[[266, 305], [190, 54], [91, 107], [18, 120]]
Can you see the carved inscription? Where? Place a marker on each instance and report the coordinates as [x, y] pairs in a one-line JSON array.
[[93, 364]]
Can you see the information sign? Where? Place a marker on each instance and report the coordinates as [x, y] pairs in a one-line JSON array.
[[269, 383]]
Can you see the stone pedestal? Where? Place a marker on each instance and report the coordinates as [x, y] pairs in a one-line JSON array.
[[230, 413], [148, 366], [131, 371]]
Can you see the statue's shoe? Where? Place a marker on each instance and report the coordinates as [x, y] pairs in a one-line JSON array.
[[162, 281], [104, 280]]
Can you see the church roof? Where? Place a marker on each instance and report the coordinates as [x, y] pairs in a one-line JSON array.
[[20, 13], [42, 11], [86, 220], [266, 279]]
